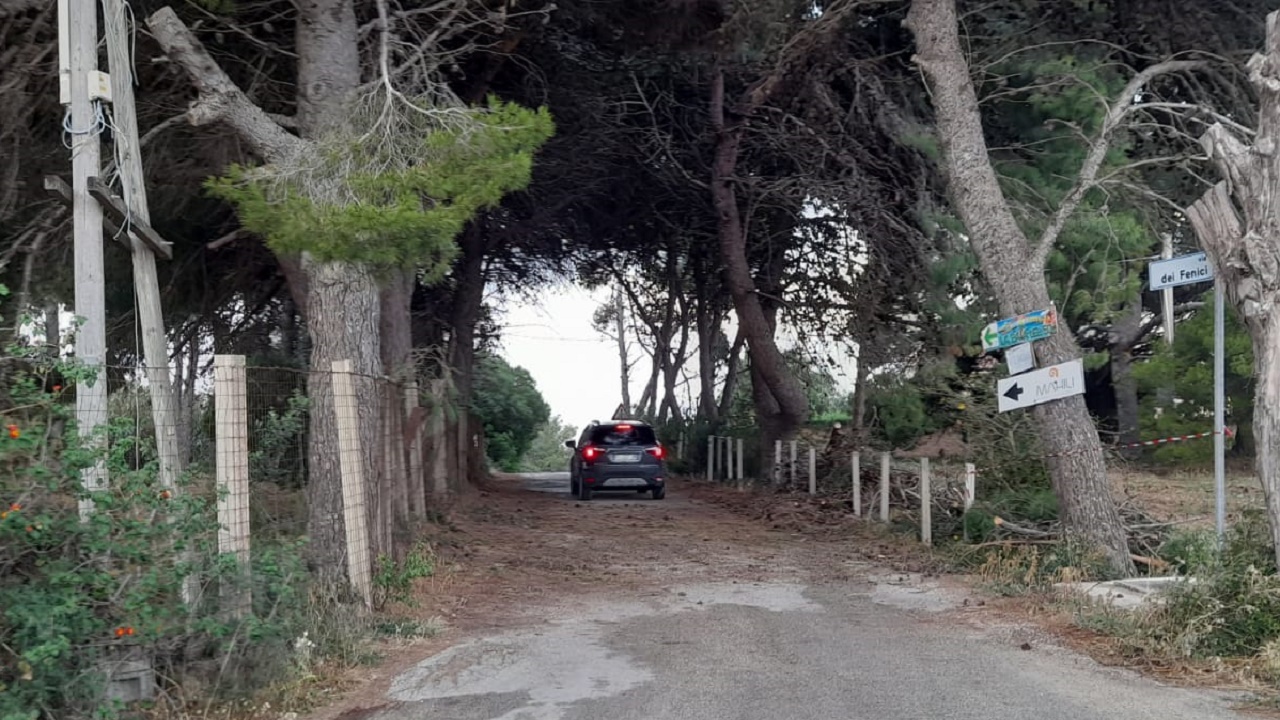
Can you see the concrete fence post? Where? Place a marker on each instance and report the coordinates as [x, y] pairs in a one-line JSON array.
[[741, 474], [711, 458], [231, 421], [728, 459], [813, 471], [970, 485], [926, 504], [885, 461], [350, 460], [776, 475], [855, 470], [412, 434], [793, 463]]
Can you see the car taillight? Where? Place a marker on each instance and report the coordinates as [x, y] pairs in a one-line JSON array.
[[589, 453], [658, 452]]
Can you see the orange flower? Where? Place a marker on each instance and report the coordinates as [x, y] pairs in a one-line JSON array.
[[4, 514], [124, 630], [15, 507], [165, 494], [30, 529], [14, 432], [57, 388], [119, 632]]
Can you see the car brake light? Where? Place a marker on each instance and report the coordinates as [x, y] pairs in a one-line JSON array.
[[658, 452], [589, 453], [622, 428]]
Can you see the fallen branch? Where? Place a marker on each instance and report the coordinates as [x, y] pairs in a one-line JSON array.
[[1019, 529]]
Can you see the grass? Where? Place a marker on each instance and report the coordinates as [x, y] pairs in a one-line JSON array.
[[1186, 495]]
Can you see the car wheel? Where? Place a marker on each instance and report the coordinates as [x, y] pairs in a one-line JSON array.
[[659, 493], [584, 492]]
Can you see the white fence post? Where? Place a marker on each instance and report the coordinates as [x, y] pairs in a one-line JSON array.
[[231, 459], [926, 504], [856, 473], [777, 462], [741, 474], [728, 459], [711, 458], [970, 485], [354, 512], [813, 471], [884, 486]]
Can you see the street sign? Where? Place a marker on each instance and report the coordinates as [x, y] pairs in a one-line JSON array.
[[1035, 388], [1020, 358], [1182, 270], [1020, 329]]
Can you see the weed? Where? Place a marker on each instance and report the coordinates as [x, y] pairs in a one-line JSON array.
[[1025, 569], [393, 581]]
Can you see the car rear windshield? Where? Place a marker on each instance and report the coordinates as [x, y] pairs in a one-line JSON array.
[[615, 435]]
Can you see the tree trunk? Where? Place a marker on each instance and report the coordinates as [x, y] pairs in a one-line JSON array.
[[860, 398], [790, 406], [395, 326], [733, 371], [1125, 334], [1245, 252], [339, 300], [624, 354], [468, 298], [343, 323], [708, 325], [342, 306], [1014, 271]]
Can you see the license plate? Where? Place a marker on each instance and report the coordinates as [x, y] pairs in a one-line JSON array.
[[625, 457], [625, 482]]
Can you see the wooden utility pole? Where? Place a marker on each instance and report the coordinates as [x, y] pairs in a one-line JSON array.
[[90, 287], [146, 285]]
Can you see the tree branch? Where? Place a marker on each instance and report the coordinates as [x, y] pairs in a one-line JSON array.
[[220, 100], [1087, 180]]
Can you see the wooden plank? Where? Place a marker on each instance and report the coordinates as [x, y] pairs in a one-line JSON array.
[[59, 188], [113, 206]]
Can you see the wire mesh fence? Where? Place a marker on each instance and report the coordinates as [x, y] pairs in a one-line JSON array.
[[172, 531]]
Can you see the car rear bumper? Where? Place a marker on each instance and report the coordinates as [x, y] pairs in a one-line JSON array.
[[625, 478]]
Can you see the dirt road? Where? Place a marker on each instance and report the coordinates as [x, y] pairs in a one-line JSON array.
[[628, 608]]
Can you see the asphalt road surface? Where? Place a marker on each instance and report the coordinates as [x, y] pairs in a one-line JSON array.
[[773, 650]]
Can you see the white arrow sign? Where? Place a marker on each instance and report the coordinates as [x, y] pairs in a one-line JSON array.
[[1182, 270], [1034, 388]]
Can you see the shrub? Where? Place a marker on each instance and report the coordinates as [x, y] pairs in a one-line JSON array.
[[1023, 569], [1232, 608], [76, 593]]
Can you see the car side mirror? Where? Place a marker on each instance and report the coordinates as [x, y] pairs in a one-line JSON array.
[[571, 444]]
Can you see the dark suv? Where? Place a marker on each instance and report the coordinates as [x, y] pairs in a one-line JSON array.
[[622, 455]]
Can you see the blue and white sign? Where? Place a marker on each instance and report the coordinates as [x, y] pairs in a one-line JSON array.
[[1182, 270]]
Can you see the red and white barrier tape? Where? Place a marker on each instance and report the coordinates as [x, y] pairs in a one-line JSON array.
[[1177, 438]]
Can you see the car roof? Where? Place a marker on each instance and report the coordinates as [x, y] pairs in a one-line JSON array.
[[636, 423]]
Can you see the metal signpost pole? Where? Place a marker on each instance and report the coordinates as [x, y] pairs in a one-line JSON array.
[[1189, 270], [1219, 410]]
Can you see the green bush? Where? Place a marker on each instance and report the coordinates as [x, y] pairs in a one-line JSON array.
[[76, 593], [1233, 606]]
